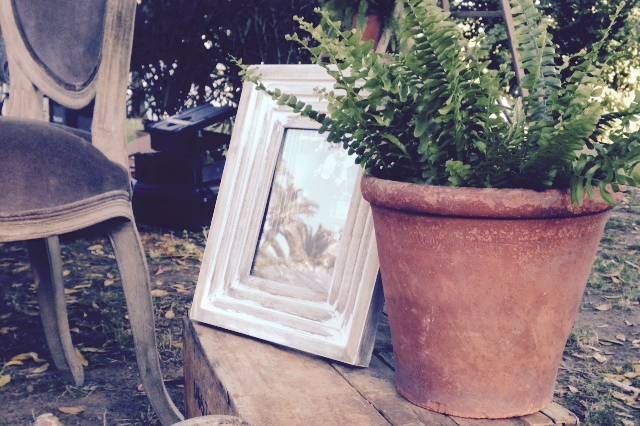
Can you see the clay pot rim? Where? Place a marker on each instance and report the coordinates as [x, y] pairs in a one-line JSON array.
[[477, 202]]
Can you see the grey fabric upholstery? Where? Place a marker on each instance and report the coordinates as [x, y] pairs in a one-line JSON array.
[[44, 167], [64, 36]]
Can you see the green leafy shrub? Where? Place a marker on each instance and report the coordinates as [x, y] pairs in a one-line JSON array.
[[436, 113]]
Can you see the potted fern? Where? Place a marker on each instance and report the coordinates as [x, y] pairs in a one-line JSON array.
[[488, 206]]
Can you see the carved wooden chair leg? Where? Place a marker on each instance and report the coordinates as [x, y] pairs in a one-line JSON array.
[[135, 282], [46, 262]]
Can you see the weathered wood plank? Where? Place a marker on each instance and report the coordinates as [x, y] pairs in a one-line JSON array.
[[267, 385], [537, 419], [560, 415], [213, 421], [481, 422], [203, 392], [376, 384], [264, 384]]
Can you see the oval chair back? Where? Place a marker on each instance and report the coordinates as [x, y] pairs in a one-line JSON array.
[[72, 52]]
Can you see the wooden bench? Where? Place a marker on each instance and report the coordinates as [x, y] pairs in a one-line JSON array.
[[264, 384]]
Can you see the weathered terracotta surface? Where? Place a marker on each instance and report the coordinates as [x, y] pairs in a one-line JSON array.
[[373, 28], [482, 289]]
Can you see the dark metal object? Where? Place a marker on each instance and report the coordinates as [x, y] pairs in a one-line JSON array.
[[177, 186], [182, 129], [183, 168]]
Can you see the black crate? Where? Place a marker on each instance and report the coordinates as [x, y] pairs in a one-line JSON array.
[[179, 168], [175, 206]]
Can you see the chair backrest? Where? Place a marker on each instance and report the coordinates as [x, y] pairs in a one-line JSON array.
[[72, 51]]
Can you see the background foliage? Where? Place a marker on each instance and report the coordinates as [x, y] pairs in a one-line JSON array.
[[181, 51], [182, 47], [179, 44]]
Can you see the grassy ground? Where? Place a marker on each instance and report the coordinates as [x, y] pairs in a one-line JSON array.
[[599, 377], [112, 393], [600, 374]]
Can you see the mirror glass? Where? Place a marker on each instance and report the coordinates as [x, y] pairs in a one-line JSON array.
[[305, 218]]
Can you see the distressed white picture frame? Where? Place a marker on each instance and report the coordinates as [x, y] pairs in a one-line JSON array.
[[340, 326]]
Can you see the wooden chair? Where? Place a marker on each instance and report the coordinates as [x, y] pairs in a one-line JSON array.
[[53, 181]]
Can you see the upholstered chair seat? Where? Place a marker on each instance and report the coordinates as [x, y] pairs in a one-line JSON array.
[[45, 169]]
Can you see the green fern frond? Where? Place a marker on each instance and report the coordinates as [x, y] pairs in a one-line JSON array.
[[435, 112]]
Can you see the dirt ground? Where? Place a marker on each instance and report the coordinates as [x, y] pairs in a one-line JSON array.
[[599, 378]]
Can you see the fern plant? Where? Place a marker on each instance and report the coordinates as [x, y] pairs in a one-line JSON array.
[[436, 113]]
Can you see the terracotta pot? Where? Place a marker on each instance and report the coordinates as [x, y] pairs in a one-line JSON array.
[[482, 288], [373, 28]]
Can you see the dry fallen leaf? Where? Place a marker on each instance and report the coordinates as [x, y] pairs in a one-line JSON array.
[[604, 307], [81, 286], [82, 359], [5, 379], [628, 400], [7, 330], [108, 282], [600, 358], [633, 265], [619, 396], [72, 411], [97, 250], [159, 293], [622, 383], [66, 273], [180, 289], [18, 359], [47, 419], [572, 389], [170, 314], [21, 269], [39, 370], [92, 350]]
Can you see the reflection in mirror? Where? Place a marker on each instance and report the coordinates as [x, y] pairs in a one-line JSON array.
[[306, 214]]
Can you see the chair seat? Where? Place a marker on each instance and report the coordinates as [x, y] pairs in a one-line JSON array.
[[45, 169]]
